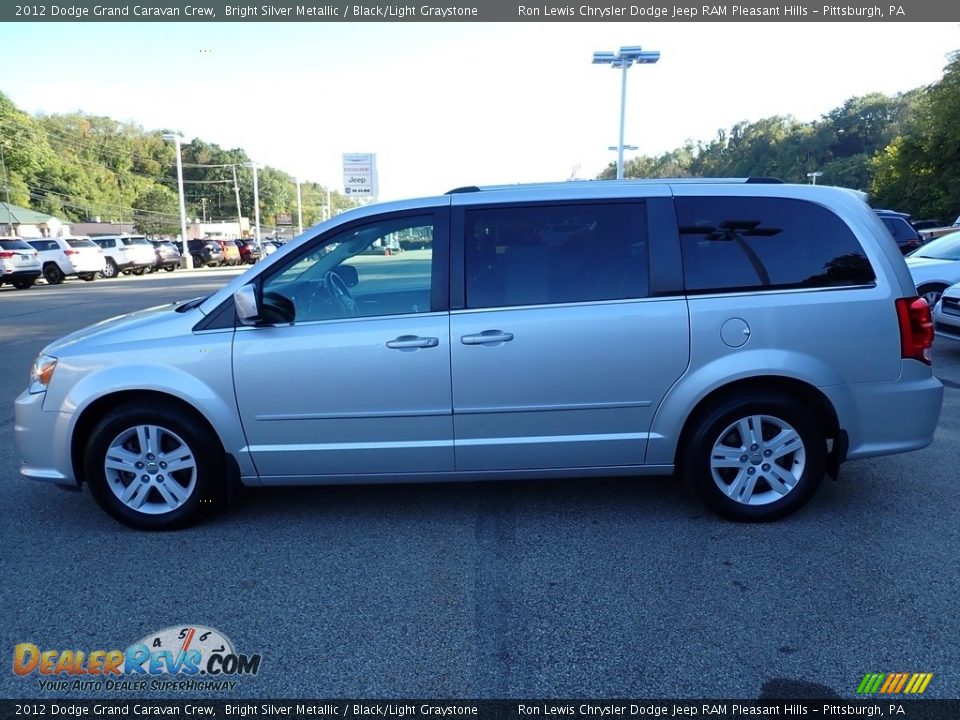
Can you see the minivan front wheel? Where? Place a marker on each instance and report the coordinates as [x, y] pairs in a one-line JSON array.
[[756, 459], [152, 469]]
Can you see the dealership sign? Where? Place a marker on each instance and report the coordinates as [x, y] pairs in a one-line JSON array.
[[360, 174]]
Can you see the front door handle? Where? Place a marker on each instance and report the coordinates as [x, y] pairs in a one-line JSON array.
[[487, 337], [408, 342]]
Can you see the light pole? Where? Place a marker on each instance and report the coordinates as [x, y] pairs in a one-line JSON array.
[[256, 204], [625, 147], [624, 59], [184, 250], [813, 177], [299, 209]]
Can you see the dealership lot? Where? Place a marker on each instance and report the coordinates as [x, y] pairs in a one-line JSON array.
[[610, 588]]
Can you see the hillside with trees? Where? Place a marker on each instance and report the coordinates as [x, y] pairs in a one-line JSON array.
[[76, 166], [903, 150]]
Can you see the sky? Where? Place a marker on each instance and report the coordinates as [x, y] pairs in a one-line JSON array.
[[450, 104]]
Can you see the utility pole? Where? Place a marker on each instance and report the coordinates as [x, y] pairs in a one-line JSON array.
[[256, 204], [184, 245], [6, 179], [299, 208], [203, 203], [236, 192]]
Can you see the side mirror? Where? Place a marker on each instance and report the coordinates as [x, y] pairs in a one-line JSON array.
[[347, 273], [245, 301]]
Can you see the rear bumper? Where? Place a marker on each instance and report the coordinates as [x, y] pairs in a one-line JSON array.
[[20, 274], [889, 418]]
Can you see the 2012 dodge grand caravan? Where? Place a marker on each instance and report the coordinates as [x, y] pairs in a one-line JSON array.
[[749, 336]]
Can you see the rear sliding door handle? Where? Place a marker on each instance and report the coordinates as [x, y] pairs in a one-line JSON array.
[[487, 337], [407, 342]]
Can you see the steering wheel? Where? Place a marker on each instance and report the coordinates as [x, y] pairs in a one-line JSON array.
[[341, 295]]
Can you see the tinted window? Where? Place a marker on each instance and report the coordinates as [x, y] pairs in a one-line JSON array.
[[45, 244], [901, 230], [104, 243], [766, 243], [80, 243], [546, 254], [14, 245]]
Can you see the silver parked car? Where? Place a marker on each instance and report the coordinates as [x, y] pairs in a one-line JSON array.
[[946, 313], [749, 336]]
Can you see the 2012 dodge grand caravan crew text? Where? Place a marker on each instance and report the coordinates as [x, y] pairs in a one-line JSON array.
[[748, 335]]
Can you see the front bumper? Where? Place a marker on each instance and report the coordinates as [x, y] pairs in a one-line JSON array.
[[947, 323], [44, 441]]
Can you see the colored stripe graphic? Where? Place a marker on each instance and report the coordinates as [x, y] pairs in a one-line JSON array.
[[870, 683], [894, 683]]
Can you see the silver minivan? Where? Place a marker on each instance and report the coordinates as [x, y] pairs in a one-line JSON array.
[[748, 336]]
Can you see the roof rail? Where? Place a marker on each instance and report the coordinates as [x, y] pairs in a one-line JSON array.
[[628, 181]]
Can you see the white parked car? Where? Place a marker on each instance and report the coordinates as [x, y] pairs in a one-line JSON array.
[[19, 263], [126, 253], [64, 256], [935, 266], [946, 313]]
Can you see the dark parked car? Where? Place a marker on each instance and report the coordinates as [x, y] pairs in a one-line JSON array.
[[927, 224], [168, 255], [250, 251], [205, 253], [907, 237]]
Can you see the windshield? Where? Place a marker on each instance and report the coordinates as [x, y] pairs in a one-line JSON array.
[[943, 248], [81, 243]]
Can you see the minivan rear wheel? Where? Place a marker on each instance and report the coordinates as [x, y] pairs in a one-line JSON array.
[[153, 469], [757, 458]]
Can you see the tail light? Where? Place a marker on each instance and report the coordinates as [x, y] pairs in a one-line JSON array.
[[916, 329], [71, 252], [5, 254]]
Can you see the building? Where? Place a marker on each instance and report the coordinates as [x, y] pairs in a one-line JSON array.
[[16, 221]]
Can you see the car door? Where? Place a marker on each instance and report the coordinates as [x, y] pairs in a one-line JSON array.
[[356, 382], [562, 346]]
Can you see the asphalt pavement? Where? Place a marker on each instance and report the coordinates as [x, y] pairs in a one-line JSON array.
[[589, 588]]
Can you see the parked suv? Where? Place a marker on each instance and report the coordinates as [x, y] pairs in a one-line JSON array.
[[231, 254], [167, 255], [125, 254], [19, 263], [65, 256], [907, 237], [749, 336], [206, 253], [249, 250]]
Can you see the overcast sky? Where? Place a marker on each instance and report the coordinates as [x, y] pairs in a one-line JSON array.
[[444, 105]]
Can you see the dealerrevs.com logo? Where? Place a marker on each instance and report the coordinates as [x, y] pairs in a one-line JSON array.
[[184, 657]]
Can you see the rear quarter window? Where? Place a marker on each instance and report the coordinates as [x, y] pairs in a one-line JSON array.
[[740, 244]]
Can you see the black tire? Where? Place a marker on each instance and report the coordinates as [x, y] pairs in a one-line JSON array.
[[52, 274], [201, 488], [931, 293], [88, 277], [24, 284], [110, 269], [715, 430], [169, 268], [139, 271]]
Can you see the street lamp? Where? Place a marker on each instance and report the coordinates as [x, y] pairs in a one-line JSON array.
[[624, 60], [184, 250], [299, 208], [813, 177], [625, 147], [256, 203]]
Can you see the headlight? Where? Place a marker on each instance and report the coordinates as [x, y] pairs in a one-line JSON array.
[[42, 373]]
